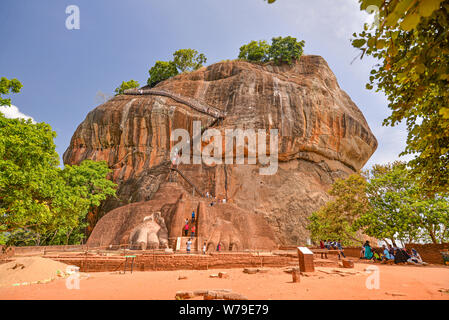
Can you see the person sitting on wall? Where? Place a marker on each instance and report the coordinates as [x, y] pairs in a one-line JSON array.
[[334, 245], [340, 249], [400, 256], [376, 256], [392, 250], [415, 258], [321, 244], [322, 247], [386, 255]]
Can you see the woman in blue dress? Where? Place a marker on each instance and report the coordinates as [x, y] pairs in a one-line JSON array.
[[368, 251]]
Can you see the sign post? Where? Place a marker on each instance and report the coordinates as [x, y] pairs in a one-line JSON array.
[[305, 257]]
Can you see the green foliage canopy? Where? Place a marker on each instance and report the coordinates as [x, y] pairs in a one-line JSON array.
[[281, 50], [400, 209], [188, 60], [39, 201], [161, 71], [7, 86], [125, 86], [386, 203], [184, 60], [412, 46], [335, 219], [285, 49], [255, 51]]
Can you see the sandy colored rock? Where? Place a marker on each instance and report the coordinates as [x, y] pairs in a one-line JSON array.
[[296, 276], [347, 263], [29, 270], [235, 229], [323, 136], [262, 270], [396, 294], [234, 296], [182, 295], [250, 270], [200, 292]]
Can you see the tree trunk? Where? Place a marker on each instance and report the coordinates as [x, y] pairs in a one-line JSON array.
[[393, 242], [432, 236]]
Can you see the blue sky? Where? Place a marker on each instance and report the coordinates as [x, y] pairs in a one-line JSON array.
[[63, 70]]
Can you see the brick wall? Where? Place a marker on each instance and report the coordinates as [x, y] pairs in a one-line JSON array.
[[177, 262], [31, 250], [430, 253]]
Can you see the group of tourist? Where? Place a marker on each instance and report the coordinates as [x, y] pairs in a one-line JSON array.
[[332, 245], [390, 254], [187, 226], [192, 229], [215, 199]]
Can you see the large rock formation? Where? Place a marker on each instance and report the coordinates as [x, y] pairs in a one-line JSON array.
[[323, 136]]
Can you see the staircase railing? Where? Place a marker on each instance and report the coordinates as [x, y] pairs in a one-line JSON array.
[[194, 104], [188, 181]]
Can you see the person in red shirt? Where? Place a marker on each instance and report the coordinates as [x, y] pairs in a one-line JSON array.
[[192, 231]]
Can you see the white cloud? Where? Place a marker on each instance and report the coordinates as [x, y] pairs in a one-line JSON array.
[[13, 112]]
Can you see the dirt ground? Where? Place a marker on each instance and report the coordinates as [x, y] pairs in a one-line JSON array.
[[395, 282]]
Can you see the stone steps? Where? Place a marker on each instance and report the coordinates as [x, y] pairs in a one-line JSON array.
[[194, 104], [183, 241]]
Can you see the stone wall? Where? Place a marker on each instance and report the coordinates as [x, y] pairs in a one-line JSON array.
[[430, 253], [40, 250], [159, 262]]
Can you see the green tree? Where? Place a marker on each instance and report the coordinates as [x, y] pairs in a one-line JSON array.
[[27, 158], [401, 209], [188, 60], [412, 46], [161, 71], [40, 202], [386, 203], [285, 49], [335, 219], [7, 86], [255, 51], [390, 193], [125, 86]]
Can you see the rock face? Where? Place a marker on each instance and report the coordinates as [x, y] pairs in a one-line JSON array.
[[232, 227], [322, 136]]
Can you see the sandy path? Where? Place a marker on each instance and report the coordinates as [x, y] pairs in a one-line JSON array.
[[405, 282]]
